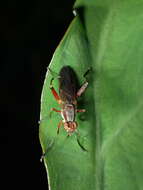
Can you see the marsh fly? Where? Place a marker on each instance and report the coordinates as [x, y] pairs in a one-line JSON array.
[[67, 98]]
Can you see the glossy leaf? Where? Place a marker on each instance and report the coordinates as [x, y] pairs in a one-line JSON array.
[[107, 36]]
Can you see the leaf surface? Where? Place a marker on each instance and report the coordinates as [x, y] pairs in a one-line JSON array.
[[107, 36]]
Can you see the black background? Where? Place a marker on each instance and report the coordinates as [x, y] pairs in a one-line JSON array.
[[30, 32]]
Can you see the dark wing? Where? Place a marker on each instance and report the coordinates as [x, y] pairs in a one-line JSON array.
[[68, 84]]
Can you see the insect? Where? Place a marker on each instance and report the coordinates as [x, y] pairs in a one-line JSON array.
[[67, 98]]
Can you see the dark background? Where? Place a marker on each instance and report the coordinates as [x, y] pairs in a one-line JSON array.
[[30, 32]]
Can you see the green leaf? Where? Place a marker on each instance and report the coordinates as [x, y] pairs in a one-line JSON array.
[[107, 36]]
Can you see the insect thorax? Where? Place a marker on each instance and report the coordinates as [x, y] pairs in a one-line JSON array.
[[68, 112]]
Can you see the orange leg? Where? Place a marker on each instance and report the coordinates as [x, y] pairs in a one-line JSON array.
[[59, 125], [55, 94], [81, 110], [54, 109]]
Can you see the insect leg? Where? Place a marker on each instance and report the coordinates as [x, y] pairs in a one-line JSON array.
[[85, 84], [79, 143], [80, 110], [49, 115], [82, 89], [53, 73], [47, 150], [59, 125], [55, 94], [54, 109], [86, 73]]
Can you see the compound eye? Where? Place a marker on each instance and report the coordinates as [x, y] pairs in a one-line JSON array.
[[74, 125]]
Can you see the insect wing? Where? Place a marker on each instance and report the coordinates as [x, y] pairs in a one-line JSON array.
[[68, 84]]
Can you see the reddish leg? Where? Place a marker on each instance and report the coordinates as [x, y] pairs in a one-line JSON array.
[[55, 94], [59, 125], [54, 109], [81, 110]]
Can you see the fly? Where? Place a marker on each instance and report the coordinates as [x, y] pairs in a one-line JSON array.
[[67, 98]]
